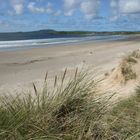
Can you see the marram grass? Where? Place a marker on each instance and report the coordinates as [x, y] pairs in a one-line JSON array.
[[64, 112]]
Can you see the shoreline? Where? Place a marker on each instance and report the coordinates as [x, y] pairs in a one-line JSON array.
[[70, 41]]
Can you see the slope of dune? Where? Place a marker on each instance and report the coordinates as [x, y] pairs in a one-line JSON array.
[[124, 78]]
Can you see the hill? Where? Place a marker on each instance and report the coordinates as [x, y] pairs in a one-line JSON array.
[[43, 34]]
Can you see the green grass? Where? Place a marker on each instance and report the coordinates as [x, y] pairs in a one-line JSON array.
[[124, 119], [65, 112], [68, 112]]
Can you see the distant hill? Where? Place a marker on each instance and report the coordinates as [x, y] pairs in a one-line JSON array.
[[44, 34], [41, 34]]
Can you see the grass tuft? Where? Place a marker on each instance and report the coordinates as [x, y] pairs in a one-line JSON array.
[[65, 112], [69, 112], [124, 119], [128, 72]]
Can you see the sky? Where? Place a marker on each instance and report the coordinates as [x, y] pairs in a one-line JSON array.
[[91, 15]]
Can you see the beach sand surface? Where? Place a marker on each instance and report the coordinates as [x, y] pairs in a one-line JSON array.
[[22, 67]]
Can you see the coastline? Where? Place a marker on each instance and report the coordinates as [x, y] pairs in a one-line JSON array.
[[19, 45], [22, 67]]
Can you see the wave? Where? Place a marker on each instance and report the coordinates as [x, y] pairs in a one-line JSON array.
[[39, 42], [23, 43]]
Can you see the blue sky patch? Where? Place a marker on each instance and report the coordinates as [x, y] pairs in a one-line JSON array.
[[92, 15]]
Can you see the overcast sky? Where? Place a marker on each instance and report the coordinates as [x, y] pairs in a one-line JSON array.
[[95, 15]]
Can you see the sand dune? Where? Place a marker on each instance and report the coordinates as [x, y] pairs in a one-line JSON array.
[[124, 78]]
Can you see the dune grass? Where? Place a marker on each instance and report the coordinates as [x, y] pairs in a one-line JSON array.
[[64, 112], [128, 72], [123, 121], [127, 64], [68, 112], [132, 57]]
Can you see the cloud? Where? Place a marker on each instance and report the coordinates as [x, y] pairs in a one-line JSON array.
[[18, 6], [39, 9], [129, 6], [89, 7], [70, 6], [124, 8], [35, 9], [114, 5]]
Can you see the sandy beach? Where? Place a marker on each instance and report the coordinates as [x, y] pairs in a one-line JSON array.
[[22, 67]]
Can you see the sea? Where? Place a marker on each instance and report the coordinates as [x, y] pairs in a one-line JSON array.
[[37, 43]]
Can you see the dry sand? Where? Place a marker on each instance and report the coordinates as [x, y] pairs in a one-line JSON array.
[[18, 68]]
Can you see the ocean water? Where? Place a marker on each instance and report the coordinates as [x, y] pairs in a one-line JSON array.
[[24, 44]]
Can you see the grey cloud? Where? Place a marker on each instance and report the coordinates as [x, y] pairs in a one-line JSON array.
[[18, 6], [124, 8], [48, 9], [89, 7], [129, 6]]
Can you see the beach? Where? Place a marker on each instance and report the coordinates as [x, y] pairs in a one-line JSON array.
[[21, 68]]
